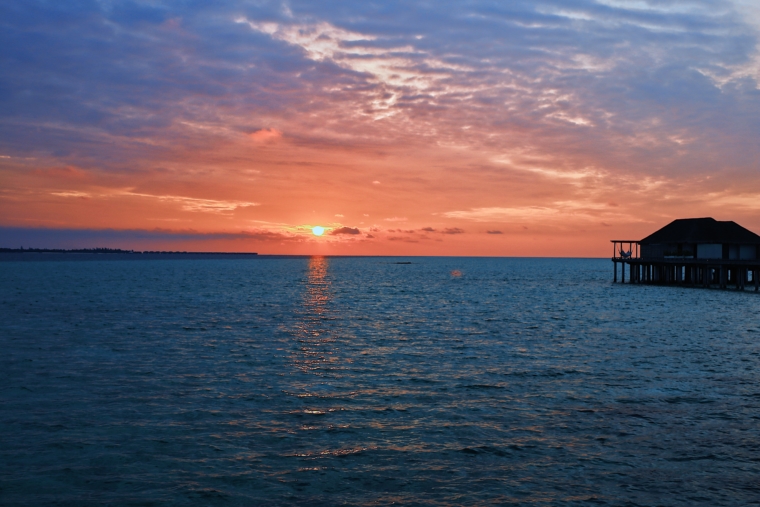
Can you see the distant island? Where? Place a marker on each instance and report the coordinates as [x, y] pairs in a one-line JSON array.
[[113, 251]]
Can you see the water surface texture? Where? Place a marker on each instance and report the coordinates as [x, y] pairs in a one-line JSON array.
[[362, 381]]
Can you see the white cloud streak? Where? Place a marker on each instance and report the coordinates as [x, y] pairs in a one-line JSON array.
[[186, 203]]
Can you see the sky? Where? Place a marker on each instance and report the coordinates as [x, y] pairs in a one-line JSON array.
[[520, 128]]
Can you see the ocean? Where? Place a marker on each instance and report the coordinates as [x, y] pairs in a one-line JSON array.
[[371, 381]]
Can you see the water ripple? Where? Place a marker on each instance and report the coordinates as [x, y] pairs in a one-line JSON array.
[[368, 381]]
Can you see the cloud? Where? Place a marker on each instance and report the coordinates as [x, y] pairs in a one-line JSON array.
[[551, 71], [345, 230], [447, 230], [187, 203], [72, 193], [498, 214], [396, 219], [199, 205], [266, 135], [493, 232], [395, 66], [558, 210]]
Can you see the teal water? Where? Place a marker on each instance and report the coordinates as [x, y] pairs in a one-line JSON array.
[[360, 381]]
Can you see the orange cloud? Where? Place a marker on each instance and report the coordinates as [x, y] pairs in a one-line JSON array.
[[266, 135]]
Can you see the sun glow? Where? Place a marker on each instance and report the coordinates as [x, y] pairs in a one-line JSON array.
[[318, 231]]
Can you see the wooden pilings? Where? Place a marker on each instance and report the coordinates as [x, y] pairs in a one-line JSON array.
[[737, 274]]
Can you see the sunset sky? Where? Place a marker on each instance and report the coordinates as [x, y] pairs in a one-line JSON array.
[[540, 128]]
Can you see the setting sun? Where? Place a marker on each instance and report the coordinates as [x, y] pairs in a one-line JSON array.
[[318, 231]]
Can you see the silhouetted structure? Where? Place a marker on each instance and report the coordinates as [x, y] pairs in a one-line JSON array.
[[692, 251]]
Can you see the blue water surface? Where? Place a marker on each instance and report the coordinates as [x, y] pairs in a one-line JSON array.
[[372, 381]]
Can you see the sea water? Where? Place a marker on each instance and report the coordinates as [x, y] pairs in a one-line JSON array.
[[371, 381]]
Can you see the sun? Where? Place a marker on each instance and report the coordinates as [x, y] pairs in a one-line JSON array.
[[318, 231]]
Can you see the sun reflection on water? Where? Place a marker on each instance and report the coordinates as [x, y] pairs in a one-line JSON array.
[[314, 350]]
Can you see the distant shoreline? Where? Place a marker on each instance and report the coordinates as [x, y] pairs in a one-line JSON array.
[[113, 251]]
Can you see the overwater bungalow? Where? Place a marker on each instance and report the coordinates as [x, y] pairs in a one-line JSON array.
[[700, 252]]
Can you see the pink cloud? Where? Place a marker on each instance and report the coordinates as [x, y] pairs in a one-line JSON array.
[[64, 172], [266, 135]]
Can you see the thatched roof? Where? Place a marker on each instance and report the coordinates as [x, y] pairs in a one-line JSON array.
[[702, 230]]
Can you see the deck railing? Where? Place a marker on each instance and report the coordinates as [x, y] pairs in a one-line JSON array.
[[624, 249]]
